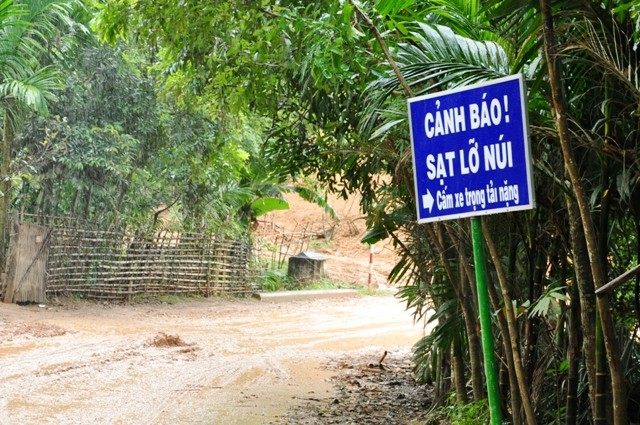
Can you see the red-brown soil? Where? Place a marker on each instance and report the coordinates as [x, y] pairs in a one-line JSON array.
[[347, 257]]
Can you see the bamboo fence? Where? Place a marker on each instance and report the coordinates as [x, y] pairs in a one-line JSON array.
[[116, 265], [276, 246]]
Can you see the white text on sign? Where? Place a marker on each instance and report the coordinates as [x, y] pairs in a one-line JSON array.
[[478, 198], [494, 156], [454, 120]]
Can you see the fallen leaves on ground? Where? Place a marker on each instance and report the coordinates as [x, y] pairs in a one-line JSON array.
[[366, 391]]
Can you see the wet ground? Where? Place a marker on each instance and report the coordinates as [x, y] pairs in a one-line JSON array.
[[205, 361], [367, 391]]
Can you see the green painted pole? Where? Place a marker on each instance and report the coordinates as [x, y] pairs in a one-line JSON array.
[[493, 390]]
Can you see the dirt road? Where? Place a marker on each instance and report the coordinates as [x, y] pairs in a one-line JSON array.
[[205, 361]]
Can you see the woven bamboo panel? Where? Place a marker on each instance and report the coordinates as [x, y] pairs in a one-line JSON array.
[[119, 265]]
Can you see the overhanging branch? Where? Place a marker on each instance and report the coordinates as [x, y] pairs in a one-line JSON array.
[[624, 277]]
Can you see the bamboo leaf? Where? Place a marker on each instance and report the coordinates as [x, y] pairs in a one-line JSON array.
[[266, 205]]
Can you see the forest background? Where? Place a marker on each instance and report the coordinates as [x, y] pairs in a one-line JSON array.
[[117, 110]]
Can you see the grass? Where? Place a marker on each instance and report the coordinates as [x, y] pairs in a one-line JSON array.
[[320, 244], [373, 292], [330, 284], [277, 280], [170, 299], [474, 413], [336, 284]]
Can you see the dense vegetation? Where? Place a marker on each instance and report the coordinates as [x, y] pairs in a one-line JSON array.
[[117, 109]]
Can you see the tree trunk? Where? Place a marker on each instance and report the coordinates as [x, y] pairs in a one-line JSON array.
[[586, 294], [75, 202], [466, 297], [468, 313], [441, 384], [600, 394], [513, 329], [516, 397], [473, 336], [54, 204], [602, 417], [8, 137], [613, 357], [87, 202], [458, 372], [124, 189], [573, 356], [532, 324]]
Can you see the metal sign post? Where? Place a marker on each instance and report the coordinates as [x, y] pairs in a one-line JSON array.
[[471, 157], [493, 389]]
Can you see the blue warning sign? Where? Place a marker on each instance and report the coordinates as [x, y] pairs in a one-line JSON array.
[[471, 151]]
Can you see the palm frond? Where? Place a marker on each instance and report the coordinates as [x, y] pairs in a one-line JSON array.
[[608, 50], [449, 59], [437, 58], [34, 91], [465, 18]]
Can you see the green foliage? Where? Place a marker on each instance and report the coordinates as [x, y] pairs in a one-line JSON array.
[[223, 52], [272, 280], [624, 10], [474, 413], [275, 280], [115, 152], [28, 76], [547, 304], [327, 283], [321, 244], [212, 108], [96, 140], [28, 81], [448, 326], [170, 299], [265, 205], [450, 60]]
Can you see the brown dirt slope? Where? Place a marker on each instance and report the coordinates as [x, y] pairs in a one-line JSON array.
[[347, 258]]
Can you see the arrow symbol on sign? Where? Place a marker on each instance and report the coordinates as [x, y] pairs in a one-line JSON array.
[[427, 201]]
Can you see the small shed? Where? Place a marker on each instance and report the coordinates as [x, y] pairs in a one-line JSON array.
[[306, 267]]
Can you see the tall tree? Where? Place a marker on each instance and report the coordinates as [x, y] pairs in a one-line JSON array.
[[30, 33]]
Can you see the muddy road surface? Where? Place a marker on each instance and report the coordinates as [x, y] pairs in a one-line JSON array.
[[206, 361]]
